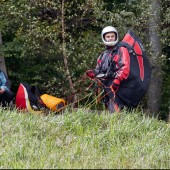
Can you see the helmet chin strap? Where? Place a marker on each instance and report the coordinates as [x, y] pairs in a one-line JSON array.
[[112, 43]]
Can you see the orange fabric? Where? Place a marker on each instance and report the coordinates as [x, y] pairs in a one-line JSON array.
[[51, 102]]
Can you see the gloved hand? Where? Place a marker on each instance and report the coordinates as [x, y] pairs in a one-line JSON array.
[[115, 84], [90, 73]]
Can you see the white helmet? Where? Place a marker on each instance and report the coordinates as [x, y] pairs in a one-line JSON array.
[[107, 30]]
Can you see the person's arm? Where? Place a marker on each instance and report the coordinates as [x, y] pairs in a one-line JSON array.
[[122, 60], [3, 80]]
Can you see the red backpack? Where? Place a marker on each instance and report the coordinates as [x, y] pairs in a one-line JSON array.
[[140, 67]]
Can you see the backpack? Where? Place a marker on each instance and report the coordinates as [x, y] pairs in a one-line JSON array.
[[139, 78], [28, 99], [139, 65]]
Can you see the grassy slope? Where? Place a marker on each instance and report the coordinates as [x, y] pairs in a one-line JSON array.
[[83, 140]]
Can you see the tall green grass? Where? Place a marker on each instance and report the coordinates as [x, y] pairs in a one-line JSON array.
[[83, 139]]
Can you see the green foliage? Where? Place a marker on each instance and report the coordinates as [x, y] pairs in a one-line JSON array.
[[83, 140]]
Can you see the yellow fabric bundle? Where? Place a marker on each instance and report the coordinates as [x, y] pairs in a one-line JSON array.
[[53, 103]]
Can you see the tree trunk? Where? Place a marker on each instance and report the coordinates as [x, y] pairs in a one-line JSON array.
[[2, 60], [65, 59], [154, 91]]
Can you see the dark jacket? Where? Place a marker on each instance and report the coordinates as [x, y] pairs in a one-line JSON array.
[[122, 68]]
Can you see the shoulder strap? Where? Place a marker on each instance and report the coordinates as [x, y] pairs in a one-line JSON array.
[[128, 47]]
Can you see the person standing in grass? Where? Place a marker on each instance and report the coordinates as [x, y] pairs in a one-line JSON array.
[[120, 73]]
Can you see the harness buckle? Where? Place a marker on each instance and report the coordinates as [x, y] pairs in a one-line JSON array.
[[100, 75]]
